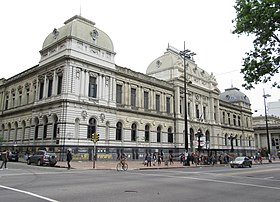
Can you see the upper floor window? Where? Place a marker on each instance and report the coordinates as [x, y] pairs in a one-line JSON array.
[[197, 111], [181, 106], [7, 102], [50, 87], [59, 84], [158, 103], [92, 90], [119, 94], [239, 121], [228, 114], [215, 113], [204, 113], [133, 97], [41, 92], [146, 100], [234, 120], [224, 117], [168, 105]]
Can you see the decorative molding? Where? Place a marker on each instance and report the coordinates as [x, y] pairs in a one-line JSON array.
[[55, 33], [84, 114], [102, 117]]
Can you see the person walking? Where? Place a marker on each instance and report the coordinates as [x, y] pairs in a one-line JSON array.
[[4, 156], [68, 158]]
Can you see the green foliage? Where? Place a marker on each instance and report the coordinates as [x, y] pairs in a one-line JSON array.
[[260, 18]]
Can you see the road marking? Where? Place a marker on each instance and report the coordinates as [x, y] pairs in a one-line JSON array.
[[212, 180], [251, 171], [29, 193]]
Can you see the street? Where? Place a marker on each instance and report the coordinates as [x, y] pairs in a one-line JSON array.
[[36, 183]]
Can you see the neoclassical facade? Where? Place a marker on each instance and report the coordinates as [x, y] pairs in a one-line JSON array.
[[77, 90]]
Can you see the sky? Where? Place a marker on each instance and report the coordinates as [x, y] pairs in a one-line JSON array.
[[140, 30]]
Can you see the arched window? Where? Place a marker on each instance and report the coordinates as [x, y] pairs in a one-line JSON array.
[[158, 134], [236, 140], [91, 127], [133, 132], [169, 135], [191, 137], [226, 139], [23, 125], [2, 132], [16, 131], [240, 140], [119, 131], [9, 132], [36, 129], [250, 142], [55, 129], [45, 127], [147, 133], [77, 127]]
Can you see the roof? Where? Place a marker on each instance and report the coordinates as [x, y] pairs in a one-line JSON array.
[[233, 95], [82, 29]]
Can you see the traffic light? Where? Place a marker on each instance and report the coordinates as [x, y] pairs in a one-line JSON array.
[[95, 137]]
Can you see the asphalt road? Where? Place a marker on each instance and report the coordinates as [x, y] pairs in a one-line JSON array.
[[32, 183]]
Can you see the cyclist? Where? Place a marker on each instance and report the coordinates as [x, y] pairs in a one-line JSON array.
[[122, 159]]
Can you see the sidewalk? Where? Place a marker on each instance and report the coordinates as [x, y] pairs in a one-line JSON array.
[[134, 165]]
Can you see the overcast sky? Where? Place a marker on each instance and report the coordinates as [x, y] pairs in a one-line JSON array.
[[140, 31]]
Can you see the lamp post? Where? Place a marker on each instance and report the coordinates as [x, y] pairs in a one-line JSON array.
[[231, 138], [266, 124], [186, 54]]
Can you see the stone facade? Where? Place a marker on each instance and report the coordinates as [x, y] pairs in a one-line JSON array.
[[77, 90]]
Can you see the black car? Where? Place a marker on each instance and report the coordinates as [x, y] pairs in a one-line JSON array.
[[241, 161], [13, 156], [42, 157]]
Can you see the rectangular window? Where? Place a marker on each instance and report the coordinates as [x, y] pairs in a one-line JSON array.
[[50, 88], [228, 118], [215, 113], [92, 89], [119, 94], [7, 103], [158, 103], [197, 111], [146, 100], [189, 109], [234, 120], [19, 100], [41, 93], [204, 113], [59, 85], [168, 105], [224, 117], [13, 101], [133, 97], [180, 106], [239, 121], [27, 97]]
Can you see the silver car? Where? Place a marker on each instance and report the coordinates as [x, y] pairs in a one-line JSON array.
[[42, 157], [241, 161]]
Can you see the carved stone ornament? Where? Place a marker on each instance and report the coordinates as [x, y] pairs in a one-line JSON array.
[[107, 80], [78, 71], [59, 71], [102, 117], [94, 34], [92, 74], [55, 33], [27, 85], [84, 114]]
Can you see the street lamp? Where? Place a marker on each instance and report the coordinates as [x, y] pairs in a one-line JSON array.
[[186, 54], [231, 138], [266, 123]]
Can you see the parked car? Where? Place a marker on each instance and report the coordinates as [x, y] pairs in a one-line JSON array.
[[241, 161], [13, 156], [42, 157]]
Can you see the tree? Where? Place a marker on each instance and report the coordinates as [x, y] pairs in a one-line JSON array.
[[260, 18]]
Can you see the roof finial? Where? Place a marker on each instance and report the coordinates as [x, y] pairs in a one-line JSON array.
[[80, 10]]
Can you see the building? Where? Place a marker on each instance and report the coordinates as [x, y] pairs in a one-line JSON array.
[[77, 90], [259, 125]]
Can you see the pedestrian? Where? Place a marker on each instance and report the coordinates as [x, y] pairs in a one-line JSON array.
[[68, 158], [149, 159], [4, 156], [171, 158]]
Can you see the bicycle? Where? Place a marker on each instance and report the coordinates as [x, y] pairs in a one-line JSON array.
[[122, 166]]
